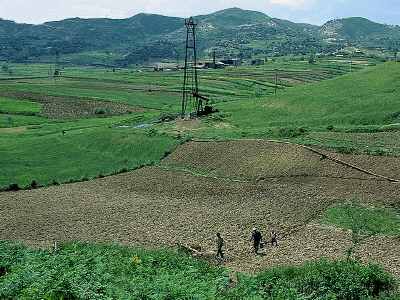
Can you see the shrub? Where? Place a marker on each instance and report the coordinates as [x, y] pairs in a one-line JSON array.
[[100, 111], [83, 271], [166, 154], [323, 279], [152, 132], [123, 170], [345, 149], [13, 187], [3, 271], [330, 127], [34, 184], [291, 132], [167, 117]]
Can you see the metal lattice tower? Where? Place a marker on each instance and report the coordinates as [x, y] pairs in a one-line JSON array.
[[192, 103]]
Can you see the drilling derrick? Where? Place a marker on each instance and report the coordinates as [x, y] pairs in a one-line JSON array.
[[192, 102]]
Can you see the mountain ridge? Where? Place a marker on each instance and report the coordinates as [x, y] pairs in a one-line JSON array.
[[232, 32]]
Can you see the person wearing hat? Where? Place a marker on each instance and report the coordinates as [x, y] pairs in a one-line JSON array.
[[256, 237]]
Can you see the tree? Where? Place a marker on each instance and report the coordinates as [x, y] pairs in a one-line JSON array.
[[6, 69], [311, 59]]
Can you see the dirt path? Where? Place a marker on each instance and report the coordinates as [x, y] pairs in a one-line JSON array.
[[155, 206]]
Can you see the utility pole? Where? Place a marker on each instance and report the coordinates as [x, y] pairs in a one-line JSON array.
[[351, 62], [214, 60]]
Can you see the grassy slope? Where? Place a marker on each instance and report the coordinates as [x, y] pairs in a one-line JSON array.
[[18, 107], [370, 221], [340, 113], [45, 154], [81, 271], [368, 97]]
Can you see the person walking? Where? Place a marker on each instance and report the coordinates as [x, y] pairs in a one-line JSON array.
[[256, 237], [274, 238], [220, 245]]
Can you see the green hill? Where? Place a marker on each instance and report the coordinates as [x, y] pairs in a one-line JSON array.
[[146, 37], [365, 98], [233, 17], [361, 30]]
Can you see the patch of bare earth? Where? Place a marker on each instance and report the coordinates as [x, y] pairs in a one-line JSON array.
[[160, 206], [67, 107], [13, 129]]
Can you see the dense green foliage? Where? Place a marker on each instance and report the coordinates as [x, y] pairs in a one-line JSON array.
[[82, 271], [365, 220], [317, 280]]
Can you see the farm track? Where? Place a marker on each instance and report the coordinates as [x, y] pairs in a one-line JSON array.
[[289, 189]]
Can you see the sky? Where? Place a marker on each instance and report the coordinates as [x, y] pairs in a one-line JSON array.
[[308, 11]]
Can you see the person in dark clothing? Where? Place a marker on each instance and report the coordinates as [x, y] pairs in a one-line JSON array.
[[220, 245], [256, 237], [274, 238]]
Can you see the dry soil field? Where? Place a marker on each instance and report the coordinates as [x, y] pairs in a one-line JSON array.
[[204, 188]]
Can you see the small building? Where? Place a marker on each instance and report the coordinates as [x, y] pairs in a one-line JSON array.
[[232, 62], [257, 62], [212, 65]]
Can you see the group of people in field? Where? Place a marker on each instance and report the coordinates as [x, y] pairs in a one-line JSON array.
[[256, 239]]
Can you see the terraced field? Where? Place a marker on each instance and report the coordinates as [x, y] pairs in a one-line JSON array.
[[204, 188]]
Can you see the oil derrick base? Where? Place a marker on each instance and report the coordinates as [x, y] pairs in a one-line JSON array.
[[193, 104]]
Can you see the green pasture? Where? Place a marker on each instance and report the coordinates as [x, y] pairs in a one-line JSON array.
[[10, 106], [365, 220], [48, 156]]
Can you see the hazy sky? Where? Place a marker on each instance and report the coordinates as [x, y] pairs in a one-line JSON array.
[[311, 11]]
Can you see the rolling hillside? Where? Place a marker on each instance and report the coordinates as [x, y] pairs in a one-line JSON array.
[[143, 37], [361, 31]]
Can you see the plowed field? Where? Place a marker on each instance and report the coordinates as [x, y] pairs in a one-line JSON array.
[[204, 188]]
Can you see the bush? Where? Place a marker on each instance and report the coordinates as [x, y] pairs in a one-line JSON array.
[[166, 154], [323, 279], [123, 170], [100, 111], [291, 132], [330, 127], [34, 184], [13, 187], [167, 117], [83, 271]]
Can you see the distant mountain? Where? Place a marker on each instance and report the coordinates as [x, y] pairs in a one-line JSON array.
[[360, 31], [144, 37], [234, 17]]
